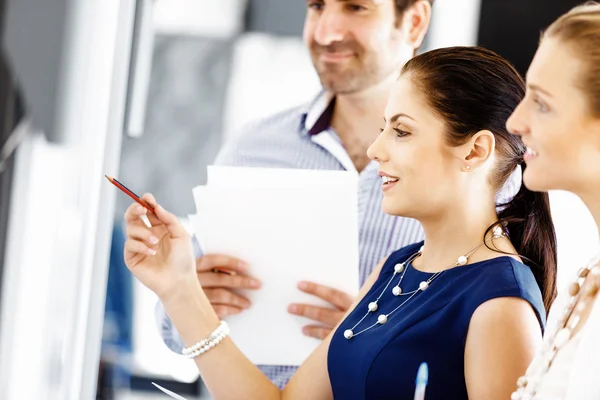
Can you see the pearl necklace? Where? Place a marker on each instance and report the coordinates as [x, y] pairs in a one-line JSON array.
[[561, 332], [397, 291]]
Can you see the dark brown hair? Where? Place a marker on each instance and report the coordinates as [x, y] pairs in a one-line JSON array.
[[403, 5], [474, 89]]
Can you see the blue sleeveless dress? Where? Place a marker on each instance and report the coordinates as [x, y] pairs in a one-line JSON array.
[[382, 362]]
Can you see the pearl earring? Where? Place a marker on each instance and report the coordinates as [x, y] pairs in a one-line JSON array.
[[467, 167]]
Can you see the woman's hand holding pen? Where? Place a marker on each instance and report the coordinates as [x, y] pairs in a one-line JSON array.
[[160, 257]]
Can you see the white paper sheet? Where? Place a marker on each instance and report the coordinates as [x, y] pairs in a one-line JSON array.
[[306, 229], [254, 178]]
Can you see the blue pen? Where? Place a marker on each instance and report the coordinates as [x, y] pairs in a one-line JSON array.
[[421, 382]]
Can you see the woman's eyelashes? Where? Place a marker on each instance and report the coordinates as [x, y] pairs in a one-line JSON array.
[[399, 132]]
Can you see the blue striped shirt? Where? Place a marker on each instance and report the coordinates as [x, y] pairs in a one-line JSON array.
[[302, 138]]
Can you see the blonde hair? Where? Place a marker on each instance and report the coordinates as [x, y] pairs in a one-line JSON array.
[[580, 29]]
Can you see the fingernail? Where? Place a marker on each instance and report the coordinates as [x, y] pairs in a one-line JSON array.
[[246, 304], [242, 265], [302, 285], [153, 239], [140, 209], [254, 283], [292, 308], [152, 252]]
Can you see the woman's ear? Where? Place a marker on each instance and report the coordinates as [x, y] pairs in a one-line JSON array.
[[478, 149]]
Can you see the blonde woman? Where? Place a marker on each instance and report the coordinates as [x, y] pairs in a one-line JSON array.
[[559, 122]]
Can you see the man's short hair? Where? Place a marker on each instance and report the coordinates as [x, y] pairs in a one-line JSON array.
[[403, 5]]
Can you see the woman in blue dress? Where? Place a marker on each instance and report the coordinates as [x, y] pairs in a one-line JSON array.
[[470, 300]]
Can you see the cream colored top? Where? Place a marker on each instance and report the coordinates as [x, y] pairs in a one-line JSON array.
[[556, 381], [584, 382], [575, 372]]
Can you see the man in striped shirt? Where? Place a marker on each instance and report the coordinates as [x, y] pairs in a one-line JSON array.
[[357, 48]]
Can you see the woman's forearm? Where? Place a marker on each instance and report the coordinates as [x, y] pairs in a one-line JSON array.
[[227, 373]]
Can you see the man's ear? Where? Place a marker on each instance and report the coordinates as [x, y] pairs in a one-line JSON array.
[[415, 23]]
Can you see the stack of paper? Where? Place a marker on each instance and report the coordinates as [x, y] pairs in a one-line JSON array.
[[289, 226]]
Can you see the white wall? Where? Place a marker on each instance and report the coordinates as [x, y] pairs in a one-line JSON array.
[[220, 18], [454, 23], [576, 234]]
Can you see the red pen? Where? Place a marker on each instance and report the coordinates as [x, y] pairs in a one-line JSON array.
[[135, 197], [130, 193]]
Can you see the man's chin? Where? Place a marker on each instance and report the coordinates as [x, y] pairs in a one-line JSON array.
[[340, 86]]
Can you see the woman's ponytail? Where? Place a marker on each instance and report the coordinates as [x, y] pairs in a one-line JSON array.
[[528, 220]]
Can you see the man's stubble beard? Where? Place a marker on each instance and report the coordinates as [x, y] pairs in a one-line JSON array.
[[352, 78], [358, 74]]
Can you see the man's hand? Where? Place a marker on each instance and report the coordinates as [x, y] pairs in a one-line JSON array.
[[219, 286], [328, 317]]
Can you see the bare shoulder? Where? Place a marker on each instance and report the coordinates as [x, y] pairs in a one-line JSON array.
[[503, 310], [504, 318], [503, 337]]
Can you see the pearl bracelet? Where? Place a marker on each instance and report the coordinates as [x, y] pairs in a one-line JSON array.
[[207, 344]]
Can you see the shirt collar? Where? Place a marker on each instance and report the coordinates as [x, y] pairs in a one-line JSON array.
[[317, 118]]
